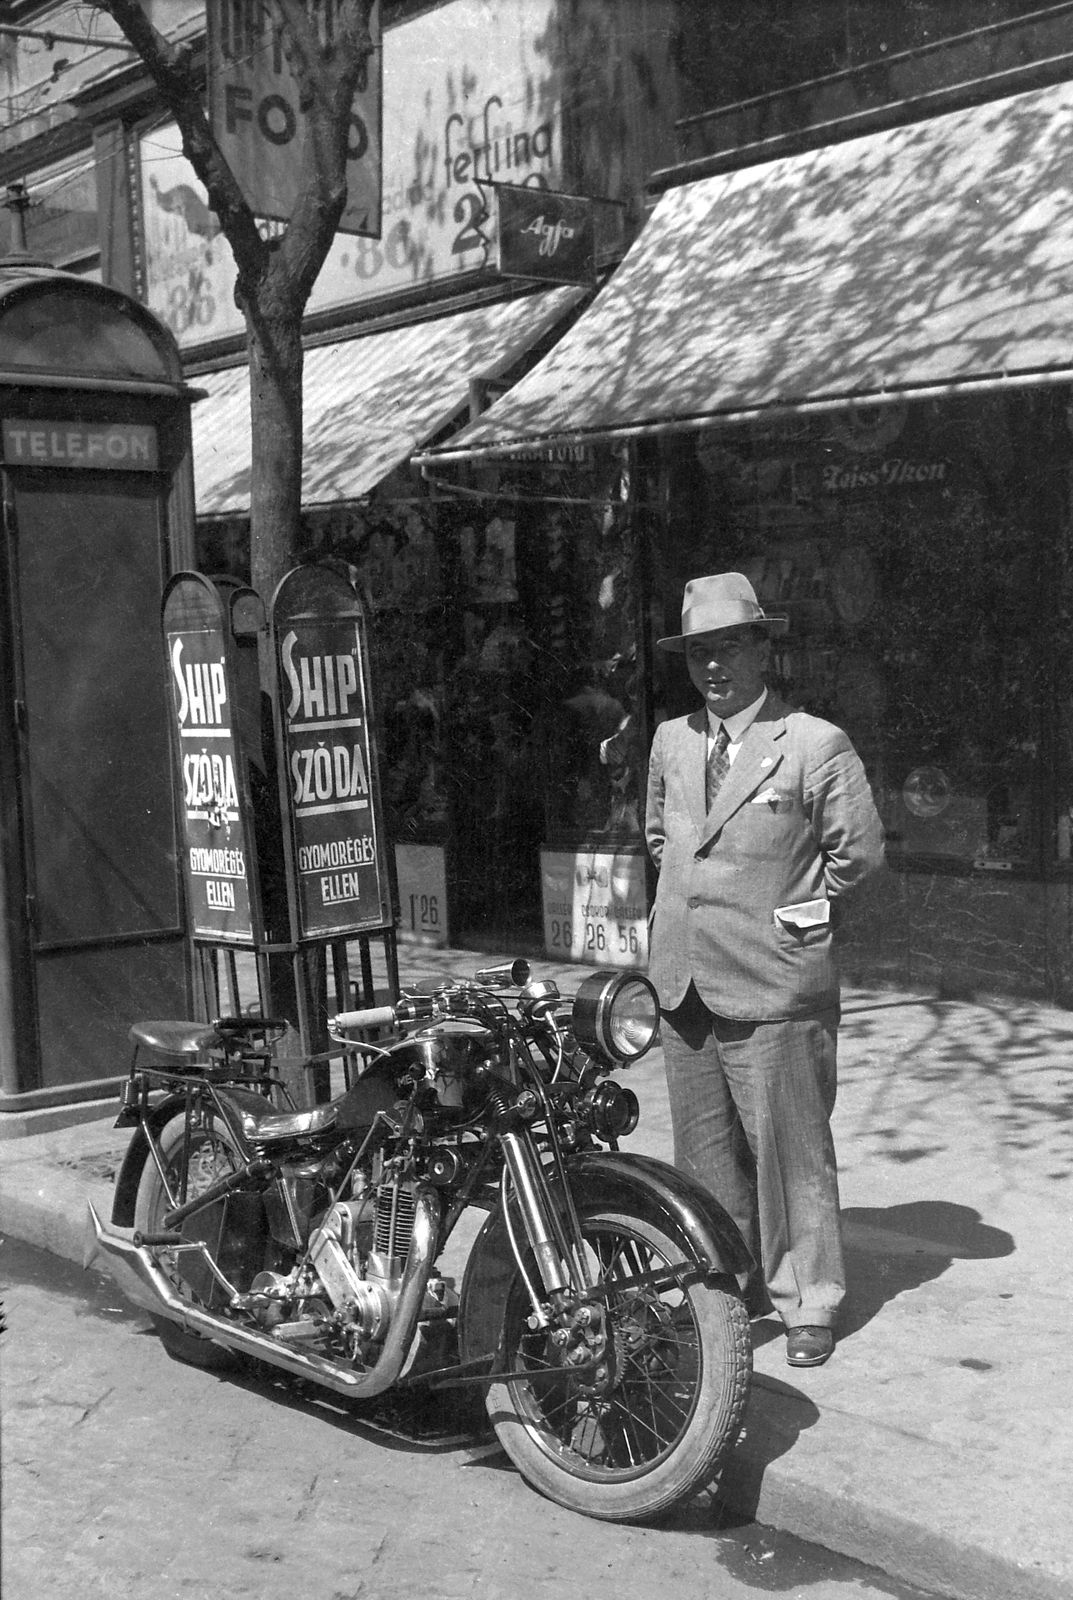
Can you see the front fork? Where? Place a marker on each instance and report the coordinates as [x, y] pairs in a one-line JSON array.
[[567, 1311], [560, 1258]]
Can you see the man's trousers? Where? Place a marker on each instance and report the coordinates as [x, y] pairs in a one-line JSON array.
[[751, 1104]]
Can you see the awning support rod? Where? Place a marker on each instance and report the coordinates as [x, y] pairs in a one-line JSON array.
[[774, 411]]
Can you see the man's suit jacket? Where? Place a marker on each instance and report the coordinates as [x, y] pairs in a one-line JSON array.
[[745, 892]]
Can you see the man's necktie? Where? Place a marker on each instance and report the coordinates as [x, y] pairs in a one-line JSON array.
[[718, 765]]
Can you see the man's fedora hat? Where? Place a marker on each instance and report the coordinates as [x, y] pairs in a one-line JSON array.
[[725, 600]]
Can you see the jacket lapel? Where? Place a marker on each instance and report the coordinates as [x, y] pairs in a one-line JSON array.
[[694, 761], [758, 758]]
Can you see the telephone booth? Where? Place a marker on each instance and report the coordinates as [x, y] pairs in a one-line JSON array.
[[97, 513]]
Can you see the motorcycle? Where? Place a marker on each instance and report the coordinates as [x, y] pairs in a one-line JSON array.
[[598, 1309]]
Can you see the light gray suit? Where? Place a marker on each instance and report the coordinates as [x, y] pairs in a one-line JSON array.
[[743, 962]]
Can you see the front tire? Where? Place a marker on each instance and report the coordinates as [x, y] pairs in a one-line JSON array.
[[682, 1360], [212, 1155]]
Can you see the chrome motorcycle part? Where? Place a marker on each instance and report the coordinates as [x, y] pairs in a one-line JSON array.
[[508, 975], [536, 1211], [539, 998], [368, 1305], [452, 1061], [644, 1424], [141, 1279], [616, 1013], [445, 1167]]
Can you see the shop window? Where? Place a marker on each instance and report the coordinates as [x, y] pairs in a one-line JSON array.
[[61, 221], [910, 547]]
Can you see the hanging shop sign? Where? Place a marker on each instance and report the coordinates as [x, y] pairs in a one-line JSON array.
[[545, 236], [335, 850], [595, 906], [256, 108], [219, 863]]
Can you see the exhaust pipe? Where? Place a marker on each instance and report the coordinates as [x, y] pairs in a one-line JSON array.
[[134, 1271]]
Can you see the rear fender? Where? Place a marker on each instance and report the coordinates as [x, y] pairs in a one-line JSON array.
[[637, 1186], [130, 1172]]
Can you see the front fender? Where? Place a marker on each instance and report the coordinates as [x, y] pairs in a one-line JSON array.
[[638, 1186]]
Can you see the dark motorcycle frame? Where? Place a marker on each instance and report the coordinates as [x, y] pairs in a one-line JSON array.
[[551, 1182]]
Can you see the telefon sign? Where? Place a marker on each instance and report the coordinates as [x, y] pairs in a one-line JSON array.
[[255, 103]]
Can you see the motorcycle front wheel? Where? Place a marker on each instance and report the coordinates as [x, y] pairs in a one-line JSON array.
[[681, 1361], [211, 1155]]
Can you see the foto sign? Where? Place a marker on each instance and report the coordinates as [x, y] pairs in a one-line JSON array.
[[255, 105], [545, 236], [218, 861], [329, 789]]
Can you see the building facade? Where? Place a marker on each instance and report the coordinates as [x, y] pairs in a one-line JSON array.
[[891, 469]]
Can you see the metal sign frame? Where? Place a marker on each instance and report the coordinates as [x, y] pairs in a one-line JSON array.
[[220, 869], [335, 847]]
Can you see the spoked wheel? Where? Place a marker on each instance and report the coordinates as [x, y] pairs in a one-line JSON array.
[[656, 1401], [211, 1156]]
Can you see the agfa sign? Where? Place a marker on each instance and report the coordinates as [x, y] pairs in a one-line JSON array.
[[259, 124], [545, 235]]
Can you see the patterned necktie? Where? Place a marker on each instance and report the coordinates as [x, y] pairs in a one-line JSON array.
[[718, 765]]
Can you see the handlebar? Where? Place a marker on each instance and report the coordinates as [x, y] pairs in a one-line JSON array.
[[371, 1017], [254, 1023]]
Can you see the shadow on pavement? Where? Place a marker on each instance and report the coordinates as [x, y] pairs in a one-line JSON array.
[[891, 1249]]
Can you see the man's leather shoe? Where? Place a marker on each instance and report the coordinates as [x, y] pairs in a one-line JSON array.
[[809, 1347]]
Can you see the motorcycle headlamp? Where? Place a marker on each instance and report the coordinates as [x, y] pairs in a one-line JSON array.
[[616, 1013]]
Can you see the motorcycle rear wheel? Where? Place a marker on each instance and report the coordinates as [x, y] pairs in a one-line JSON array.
[[212, 1155], [683, 1360]]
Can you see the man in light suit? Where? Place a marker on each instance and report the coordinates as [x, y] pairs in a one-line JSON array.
[[759, 820]]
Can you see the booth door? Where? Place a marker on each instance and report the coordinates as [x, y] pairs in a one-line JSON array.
[[105, 913]]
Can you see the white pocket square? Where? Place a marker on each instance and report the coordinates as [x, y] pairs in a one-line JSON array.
[[805, 914], [766, 797]]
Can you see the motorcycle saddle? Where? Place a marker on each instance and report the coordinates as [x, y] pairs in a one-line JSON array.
[[175, 1038]]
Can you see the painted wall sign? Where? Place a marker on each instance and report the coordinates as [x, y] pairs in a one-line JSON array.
[[422, 878], [471, 92], [595, 907], [550, 237], [111, 446], [257, 118], [329, 790], [218, 861]]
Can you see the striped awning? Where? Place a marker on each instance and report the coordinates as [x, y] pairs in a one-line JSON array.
[[369, 402], [925, 259]]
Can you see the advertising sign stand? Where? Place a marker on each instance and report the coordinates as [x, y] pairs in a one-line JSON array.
[[284, 851], [212, 764], [336, 853]]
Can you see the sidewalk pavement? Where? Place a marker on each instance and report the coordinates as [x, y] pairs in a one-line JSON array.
[[936, 1444]]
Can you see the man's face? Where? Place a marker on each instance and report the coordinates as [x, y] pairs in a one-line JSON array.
[[728, 668]]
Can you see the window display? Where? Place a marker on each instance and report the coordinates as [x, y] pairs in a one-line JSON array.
[[908, 545]]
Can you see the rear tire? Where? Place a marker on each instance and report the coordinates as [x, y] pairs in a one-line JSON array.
[[212, 1155], [683, 1360]]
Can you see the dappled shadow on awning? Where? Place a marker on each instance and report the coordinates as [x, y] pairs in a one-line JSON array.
[[926, 255]]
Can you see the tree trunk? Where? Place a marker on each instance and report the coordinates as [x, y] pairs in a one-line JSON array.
[[274, 344]]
